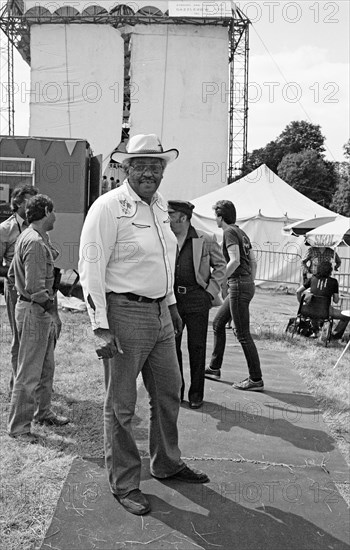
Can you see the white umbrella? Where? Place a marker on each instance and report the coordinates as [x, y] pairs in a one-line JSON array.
[[330, 234], [303, 226]]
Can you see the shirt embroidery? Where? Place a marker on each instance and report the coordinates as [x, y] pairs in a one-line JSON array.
[[126, 206]]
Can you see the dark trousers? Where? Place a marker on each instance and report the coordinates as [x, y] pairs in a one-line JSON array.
[[11, 299], [193, 309], [220, 321]]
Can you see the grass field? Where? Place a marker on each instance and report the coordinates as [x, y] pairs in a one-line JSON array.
[[32, 475]]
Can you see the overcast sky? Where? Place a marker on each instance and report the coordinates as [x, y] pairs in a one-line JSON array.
[[299, 50], [298, 70]]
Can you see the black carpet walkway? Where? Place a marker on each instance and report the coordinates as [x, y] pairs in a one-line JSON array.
[[271, 463]]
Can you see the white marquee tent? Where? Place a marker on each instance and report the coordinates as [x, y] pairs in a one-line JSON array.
[[265, 204]]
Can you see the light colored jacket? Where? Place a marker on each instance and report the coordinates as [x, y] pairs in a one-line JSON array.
[[209, 263]]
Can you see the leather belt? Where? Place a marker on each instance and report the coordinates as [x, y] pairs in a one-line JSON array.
[[185, 289], [144, 299], [45, 305]]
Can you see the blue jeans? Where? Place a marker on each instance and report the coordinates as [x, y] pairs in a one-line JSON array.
[[241, 292], [146, 335]]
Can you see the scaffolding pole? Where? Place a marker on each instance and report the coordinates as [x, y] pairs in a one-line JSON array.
[[238, 105], [16, 26], [7, 106]]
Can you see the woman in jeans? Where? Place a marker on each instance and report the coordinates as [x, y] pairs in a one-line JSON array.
[[240, 273]]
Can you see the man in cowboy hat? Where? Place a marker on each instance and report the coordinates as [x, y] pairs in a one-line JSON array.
[[200, 270], [127, 258]]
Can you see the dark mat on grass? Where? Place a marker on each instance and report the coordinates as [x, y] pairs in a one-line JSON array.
[[272, 466], [244, 506]]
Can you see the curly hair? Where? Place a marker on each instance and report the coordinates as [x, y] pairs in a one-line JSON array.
[[324, 270], [35, 207], [227, 210], [19, 193]]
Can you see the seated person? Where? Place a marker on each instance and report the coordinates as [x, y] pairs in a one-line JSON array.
[[314, 256], [323, 285]]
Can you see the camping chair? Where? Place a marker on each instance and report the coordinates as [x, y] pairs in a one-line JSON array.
[[313, 312]]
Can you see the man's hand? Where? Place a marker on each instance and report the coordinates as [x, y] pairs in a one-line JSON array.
[[57, 324], [110, 345], [176, 319]]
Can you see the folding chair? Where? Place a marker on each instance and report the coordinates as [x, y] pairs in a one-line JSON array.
[[316, 312]]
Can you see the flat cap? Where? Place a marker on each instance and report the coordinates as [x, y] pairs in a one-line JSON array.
[[181, 206]]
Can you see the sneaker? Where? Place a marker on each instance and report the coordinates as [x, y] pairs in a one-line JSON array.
[[249, 385], [214, 374]]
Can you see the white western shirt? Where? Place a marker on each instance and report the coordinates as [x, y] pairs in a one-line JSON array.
[[126, 245]]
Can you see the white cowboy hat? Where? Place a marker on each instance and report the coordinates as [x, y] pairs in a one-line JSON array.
[[144, 145]]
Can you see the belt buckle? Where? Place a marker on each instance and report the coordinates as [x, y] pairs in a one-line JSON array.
[[181, 289]]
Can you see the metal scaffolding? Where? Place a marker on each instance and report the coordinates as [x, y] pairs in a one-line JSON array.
[[16, 26], [7, 109], [238, 109]]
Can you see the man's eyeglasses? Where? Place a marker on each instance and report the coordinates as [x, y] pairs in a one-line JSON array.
[[141, 168]]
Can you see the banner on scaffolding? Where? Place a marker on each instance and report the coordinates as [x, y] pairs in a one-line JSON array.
[[202, 8]]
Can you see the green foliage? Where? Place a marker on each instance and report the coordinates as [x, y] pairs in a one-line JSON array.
[[309, 174]]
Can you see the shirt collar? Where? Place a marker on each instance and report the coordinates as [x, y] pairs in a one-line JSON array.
[[137, 198], [42, 234], [19, 219]]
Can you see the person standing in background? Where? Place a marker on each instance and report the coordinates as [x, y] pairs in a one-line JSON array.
[[10, 230], [240, 274], [37, 321], [199, 272]]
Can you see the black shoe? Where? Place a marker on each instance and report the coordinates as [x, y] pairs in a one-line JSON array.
[[54, 420], [195, 404], [28, 438], [336, 336], [214, 374], [134, 502], [189, 476]]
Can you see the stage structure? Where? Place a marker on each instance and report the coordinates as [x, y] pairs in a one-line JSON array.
[[107, 71]]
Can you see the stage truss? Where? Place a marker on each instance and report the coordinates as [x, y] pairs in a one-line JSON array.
[[16, 27]]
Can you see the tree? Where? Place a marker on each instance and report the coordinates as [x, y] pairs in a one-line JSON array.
[[296, 137], [301, 135], [346, 148], [271, 155], [341, 198], [309, 174]]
